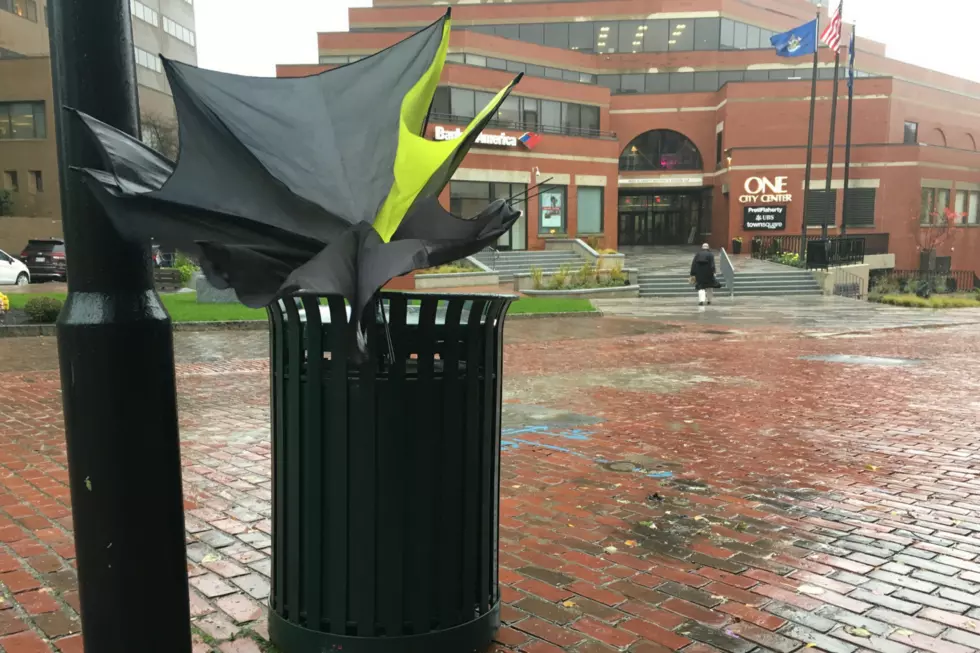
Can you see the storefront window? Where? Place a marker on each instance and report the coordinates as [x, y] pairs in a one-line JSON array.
[[552, 210], [589, 210], [468, 198], [660, 149]]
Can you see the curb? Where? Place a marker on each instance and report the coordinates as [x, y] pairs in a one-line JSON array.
[[39, 330]]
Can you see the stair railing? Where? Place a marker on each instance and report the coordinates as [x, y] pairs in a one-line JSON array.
[[494, 253], [728, 271]]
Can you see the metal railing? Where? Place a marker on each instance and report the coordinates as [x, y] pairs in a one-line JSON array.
[[770, 248], [728, 271], [494, 254], [524, 126], [875, 244], [822, 254], [847, 284], [924, 282]]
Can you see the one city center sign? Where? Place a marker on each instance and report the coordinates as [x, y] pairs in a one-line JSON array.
[[762, 190], [766, 201]]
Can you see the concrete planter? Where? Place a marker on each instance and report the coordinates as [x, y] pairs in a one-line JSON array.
[[580, 247], [615, 292], [524, 282], [456, 280]]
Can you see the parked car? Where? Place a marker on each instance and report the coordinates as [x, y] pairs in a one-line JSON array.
[[12, 271], [46, 259]]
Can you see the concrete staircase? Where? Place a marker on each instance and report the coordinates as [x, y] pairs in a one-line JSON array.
[[509, 263], [751, 284]]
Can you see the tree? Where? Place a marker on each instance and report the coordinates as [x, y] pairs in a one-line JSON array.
[[942, 228], [161, 134]]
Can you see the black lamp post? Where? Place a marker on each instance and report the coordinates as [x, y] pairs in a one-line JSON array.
[[117, 367]]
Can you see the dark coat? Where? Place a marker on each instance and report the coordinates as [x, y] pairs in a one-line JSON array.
[[703, 270]]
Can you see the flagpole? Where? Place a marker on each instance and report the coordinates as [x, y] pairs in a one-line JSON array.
[[847, 146], [809, 143], [830, 151]]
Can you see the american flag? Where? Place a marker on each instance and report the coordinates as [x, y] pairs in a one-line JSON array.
[[831, 35]]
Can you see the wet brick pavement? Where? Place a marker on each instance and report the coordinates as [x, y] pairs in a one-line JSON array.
[[665, 487]]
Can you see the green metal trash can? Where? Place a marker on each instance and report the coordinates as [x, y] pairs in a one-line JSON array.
[[386, 475]]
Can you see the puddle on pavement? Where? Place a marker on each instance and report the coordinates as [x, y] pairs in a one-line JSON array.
[[520, 415], [849, 359], [654, 380]]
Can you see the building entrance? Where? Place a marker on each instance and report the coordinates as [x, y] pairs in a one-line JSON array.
[[663, 218]]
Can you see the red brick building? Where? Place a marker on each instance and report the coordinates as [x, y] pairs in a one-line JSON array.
[[662, 120]]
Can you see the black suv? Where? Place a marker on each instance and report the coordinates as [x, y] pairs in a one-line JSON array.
[[45, 259]]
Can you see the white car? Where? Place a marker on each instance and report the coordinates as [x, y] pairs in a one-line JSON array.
[[12, 271]]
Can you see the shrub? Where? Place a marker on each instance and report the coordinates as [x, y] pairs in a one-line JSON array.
[[593, 242], [186, 267], [584, 276], [559, 278], [43, 310], [452, 268], [886, 285], [6, 202], [617, 276], [936, 301], [537, 278]]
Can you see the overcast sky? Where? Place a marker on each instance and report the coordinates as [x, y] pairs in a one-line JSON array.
[[252, 36]]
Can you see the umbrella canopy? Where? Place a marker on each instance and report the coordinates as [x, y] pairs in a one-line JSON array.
[[321, 184]]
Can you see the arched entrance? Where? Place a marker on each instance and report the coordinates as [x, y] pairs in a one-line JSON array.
[[655, 214]]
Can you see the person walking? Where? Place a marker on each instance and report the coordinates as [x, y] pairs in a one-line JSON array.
[[703, 275]]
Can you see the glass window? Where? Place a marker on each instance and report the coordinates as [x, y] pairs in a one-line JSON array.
[[802, 73], [536, 71], [556, 35], [719, 147], [569, 75], [973, 211], [660, 149], [911, 133], [532, 33], [606, 36], [10, 181], [147, 60], [727, 34], [508, 31], [942, 200], [476, 60], [657, 36], [463, 102], [681, 82], [144, 13], [959, 204], [571, 116], [632, 83], [726, 76], [612, 82], [496, 64], [741, 35], [825, 73], [752, 37], [707, 33], [658, 83], [780, 74], [530, 112], [581, 36], [40, 124], [757, 75], [630, 36], [35, 181], [178, 31], [589, 210], [706, 81], [440, 102], [457, 57], [552, 209], [468, 198], [481, 100], [22, 120], [516, 67], [586, 78], [551, 114], [681, 35], [590, 118], [553, 73], [928, 200], [510, 110]]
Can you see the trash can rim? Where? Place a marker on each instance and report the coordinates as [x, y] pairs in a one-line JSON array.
[[418, 295]]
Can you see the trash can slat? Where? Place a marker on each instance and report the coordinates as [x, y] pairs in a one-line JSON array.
[[453, 469], [337, 464], [363, 508], [278, 371], [293, 447], [312, 478]]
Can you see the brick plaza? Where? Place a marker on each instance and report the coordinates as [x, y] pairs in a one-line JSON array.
[[687, 486]]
